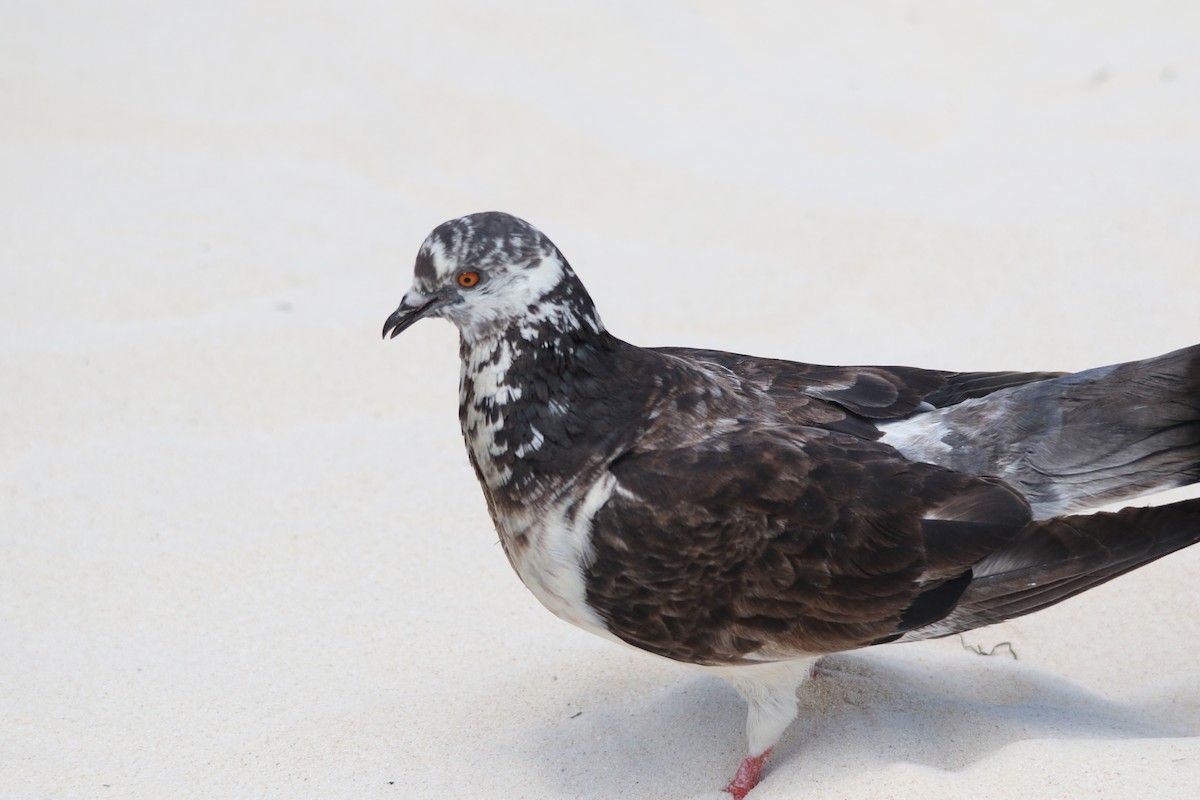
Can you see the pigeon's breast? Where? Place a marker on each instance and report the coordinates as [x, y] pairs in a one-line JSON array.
[[550, 547]]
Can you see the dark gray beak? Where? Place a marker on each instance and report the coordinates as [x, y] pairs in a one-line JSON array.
[[414, 306]]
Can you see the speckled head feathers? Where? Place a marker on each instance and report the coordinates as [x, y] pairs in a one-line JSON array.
[[491, 272]]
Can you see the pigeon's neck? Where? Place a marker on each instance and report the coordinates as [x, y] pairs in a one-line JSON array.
[[524, 399]]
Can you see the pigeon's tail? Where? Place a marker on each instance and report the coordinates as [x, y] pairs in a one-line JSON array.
[[1052, 560], [1073, 442]]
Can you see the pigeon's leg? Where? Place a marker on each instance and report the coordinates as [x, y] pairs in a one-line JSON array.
[[748, 775], [770, 693]]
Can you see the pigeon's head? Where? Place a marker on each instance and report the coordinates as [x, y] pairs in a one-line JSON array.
[[492, 273]]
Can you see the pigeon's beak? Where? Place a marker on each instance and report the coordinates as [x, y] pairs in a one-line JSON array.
[[414, 306]]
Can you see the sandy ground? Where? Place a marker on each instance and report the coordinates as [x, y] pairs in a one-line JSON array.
[[242, 553]]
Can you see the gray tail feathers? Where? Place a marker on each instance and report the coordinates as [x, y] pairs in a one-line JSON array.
[[1052, 560], [1077, 441]]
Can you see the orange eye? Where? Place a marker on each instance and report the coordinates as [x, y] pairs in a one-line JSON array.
[[468, 279]]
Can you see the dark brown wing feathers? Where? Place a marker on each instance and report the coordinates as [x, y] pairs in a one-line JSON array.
[[776, 540]]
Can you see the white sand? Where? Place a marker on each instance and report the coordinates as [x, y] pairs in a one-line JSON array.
[[242, 553]]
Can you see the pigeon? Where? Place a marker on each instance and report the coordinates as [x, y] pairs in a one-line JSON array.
[[749, 515]]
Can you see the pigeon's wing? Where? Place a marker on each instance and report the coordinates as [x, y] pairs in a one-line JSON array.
[[774, 542], [872, 392], [959, 386]]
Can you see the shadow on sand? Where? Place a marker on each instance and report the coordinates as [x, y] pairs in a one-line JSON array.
[[859, 711]]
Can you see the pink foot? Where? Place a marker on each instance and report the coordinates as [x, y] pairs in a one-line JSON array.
[[748, 775]]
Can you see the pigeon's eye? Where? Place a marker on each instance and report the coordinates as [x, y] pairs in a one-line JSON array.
[[468, 279]]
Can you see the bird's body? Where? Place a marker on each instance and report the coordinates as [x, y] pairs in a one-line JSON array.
[[749, 514]]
